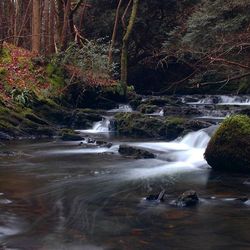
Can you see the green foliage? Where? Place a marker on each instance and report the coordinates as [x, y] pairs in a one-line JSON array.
[[3, 72], [118, 89], [91, 58], [24, 97], [5, 56], [214, 20], [244, 86], [55, 75]]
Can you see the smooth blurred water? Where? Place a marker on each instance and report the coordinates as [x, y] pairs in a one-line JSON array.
[[65, 196]]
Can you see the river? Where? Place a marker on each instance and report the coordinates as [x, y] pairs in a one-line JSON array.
[[62, 195]]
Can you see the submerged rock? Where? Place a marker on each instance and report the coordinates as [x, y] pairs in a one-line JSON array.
[[157, 197], [229, 148], [187, 199], [135, 152], [104, 144]]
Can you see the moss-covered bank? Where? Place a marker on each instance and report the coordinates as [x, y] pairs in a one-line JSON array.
[[229, 148]]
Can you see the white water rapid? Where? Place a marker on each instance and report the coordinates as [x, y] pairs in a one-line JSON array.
[[122, 108], [186, 154], [99, 127], [223, 100]]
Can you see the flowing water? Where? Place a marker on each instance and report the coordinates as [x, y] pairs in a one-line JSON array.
[[66, 195]]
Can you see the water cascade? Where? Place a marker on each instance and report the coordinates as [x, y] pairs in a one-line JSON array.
[[122, 108], [185, 154], [223, 100], [102, 126]]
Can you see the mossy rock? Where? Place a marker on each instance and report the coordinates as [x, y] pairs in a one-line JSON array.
[[70, 135], [84, 118], [147, 109], [134, 152], [139, 125], [229, 148]]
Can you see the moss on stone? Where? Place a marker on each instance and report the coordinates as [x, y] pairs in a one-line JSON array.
[[147, 109], [69, 135], [229, 148]]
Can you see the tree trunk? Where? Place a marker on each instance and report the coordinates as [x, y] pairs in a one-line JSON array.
[[125, 40], [51, 48], [36, 25], [46, 26], [114, 30], [2, 34], [67, 10]]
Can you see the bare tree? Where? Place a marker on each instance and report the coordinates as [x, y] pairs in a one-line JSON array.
[[36, 27], [125, 40]]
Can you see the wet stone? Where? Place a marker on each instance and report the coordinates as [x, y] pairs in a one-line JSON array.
[[187, 199], [157, 197], [135, 152]]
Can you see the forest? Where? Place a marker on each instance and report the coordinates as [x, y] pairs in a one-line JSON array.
[[124, 124]]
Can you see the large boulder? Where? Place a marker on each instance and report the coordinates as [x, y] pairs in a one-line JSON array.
[[229, 148]]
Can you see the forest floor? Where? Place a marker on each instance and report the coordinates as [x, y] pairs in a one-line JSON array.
[[18, 71], [21, 71]]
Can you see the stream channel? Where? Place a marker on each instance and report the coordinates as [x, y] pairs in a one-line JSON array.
[[62, 195]]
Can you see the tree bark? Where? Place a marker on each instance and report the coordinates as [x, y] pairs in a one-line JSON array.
[[114, 30], [51, 47], [125, 40], [46, 26], [67, 9], [36, 25], [1, 26]]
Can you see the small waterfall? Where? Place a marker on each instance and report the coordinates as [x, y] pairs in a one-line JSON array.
[[197, 139], [122, 108], [158, 113], [186, 154], [223, 100], [102, 126]]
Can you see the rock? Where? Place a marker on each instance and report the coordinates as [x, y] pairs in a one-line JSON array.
[[139, 125], [229, 147], [147, 109], [242, 199], [157, 197], [84, 118], [135, 152], [90, 140], [181, 111], [187, 199], [104, 144], [70, 135], [7, 153], [5, 137]]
